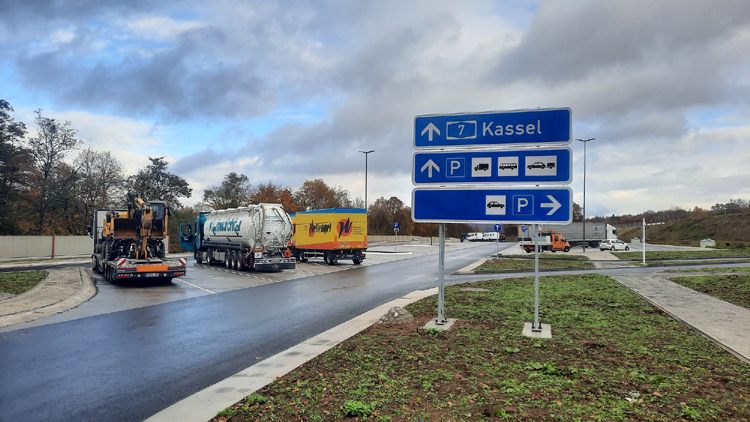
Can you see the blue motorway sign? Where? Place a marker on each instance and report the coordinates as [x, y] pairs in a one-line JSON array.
[[540, 126], [553, 205], [538, 166]]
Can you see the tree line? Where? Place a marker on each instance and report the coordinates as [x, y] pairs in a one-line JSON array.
[[43, 193]]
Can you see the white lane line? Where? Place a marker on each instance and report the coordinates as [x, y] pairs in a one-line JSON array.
[[196, 286]]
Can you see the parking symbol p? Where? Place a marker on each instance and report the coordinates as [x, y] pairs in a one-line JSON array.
[[523, 204], [455, 167]]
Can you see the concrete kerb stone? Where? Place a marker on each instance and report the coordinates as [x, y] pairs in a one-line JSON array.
[[61, 290], [204, 405]]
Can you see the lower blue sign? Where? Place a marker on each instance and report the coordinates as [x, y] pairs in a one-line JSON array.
[[523, 205]]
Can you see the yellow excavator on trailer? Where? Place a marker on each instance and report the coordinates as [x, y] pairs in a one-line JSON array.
[[131, 243]]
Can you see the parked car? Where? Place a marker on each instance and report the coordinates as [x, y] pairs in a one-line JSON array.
[[613, 245]]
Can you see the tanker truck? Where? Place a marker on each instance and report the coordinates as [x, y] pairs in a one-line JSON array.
[[255, 237], [129, 243]]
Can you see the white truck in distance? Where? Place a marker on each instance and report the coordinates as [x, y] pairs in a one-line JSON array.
[[573, 232]]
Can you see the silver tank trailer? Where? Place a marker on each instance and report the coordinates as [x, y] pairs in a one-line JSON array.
[[263, 225]]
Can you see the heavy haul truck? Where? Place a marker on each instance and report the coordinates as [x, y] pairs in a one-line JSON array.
[[255, 237], [332, 235], [129, 243]]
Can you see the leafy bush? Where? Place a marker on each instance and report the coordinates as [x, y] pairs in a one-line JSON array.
[[353, 408]]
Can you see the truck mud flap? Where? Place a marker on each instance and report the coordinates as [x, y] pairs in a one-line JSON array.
[[275, 266]]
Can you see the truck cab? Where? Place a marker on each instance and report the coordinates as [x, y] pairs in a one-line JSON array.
[[550, 240]]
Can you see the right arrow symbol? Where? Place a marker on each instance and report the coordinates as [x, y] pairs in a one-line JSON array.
[[429, 165], [554, 205], [430, 129]]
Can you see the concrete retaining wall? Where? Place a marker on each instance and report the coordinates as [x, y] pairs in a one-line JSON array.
[[46, 246]]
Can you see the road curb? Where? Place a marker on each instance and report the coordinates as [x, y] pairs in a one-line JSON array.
[[205, 404], [60, 291]]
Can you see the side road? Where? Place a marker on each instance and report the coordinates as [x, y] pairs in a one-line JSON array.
[[62, 289]]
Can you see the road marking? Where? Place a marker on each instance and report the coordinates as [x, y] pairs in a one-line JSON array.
[[196, 286]]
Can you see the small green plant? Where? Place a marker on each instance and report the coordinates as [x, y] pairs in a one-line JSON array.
[[354, 408], [432, 331], [688, 412], [256, 399], [512, 350], [227, 413]]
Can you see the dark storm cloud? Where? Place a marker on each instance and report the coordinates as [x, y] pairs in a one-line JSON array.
[[573, 40], [175, 82], [22, 13], [196, 162]]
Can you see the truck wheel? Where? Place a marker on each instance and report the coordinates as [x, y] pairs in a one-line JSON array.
[[93, 265], [198, 257], [237, 261], [567, 249], [228, 260], [627, 248], [528, 250], [356, 261], [328, 258]]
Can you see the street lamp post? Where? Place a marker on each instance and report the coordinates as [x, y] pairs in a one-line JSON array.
[[366, 154], [585, 141]]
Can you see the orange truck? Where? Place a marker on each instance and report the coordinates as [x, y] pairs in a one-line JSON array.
[[332, 234], [549, 240]]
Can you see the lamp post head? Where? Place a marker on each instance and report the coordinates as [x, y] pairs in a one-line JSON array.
[[585, 140]]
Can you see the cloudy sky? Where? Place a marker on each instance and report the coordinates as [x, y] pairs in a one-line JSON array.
[[291, 90]]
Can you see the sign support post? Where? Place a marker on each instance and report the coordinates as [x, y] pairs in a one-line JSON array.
[[441, 319], [644, 240], [536, 327]]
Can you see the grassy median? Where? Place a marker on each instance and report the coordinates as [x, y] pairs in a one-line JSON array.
[[684, 254], [546, 262], [733, 288], [612, 357], [17, 282]]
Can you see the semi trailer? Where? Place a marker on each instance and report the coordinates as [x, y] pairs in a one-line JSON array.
[[573, 232], [332, 235], [255, 237]]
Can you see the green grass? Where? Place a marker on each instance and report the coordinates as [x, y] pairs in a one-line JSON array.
[[17, 282], [550, 255], [733, 288], [711, 270], [612, 357], [528, 264], [704, 253]]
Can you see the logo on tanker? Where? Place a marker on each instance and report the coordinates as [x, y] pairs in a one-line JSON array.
[[345, 227], [319, 228], [232, 225]]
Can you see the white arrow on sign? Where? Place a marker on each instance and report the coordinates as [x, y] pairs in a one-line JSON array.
[[554, 205], [430, 129], [429, 165]]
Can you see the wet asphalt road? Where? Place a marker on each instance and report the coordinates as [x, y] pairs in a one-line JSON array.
[[126, 366]]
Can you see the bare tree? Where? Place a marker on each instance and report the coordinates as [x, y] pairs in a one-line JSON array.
[[316, 194], [102, 180], [15, 168], [54, 140]]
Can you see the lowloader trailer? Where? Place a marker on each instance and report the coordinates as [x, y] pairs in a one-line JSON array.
[[129, 243]]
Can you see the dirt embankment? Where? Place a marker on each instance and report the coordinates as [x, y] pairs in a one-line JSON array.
[[732, 228]]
